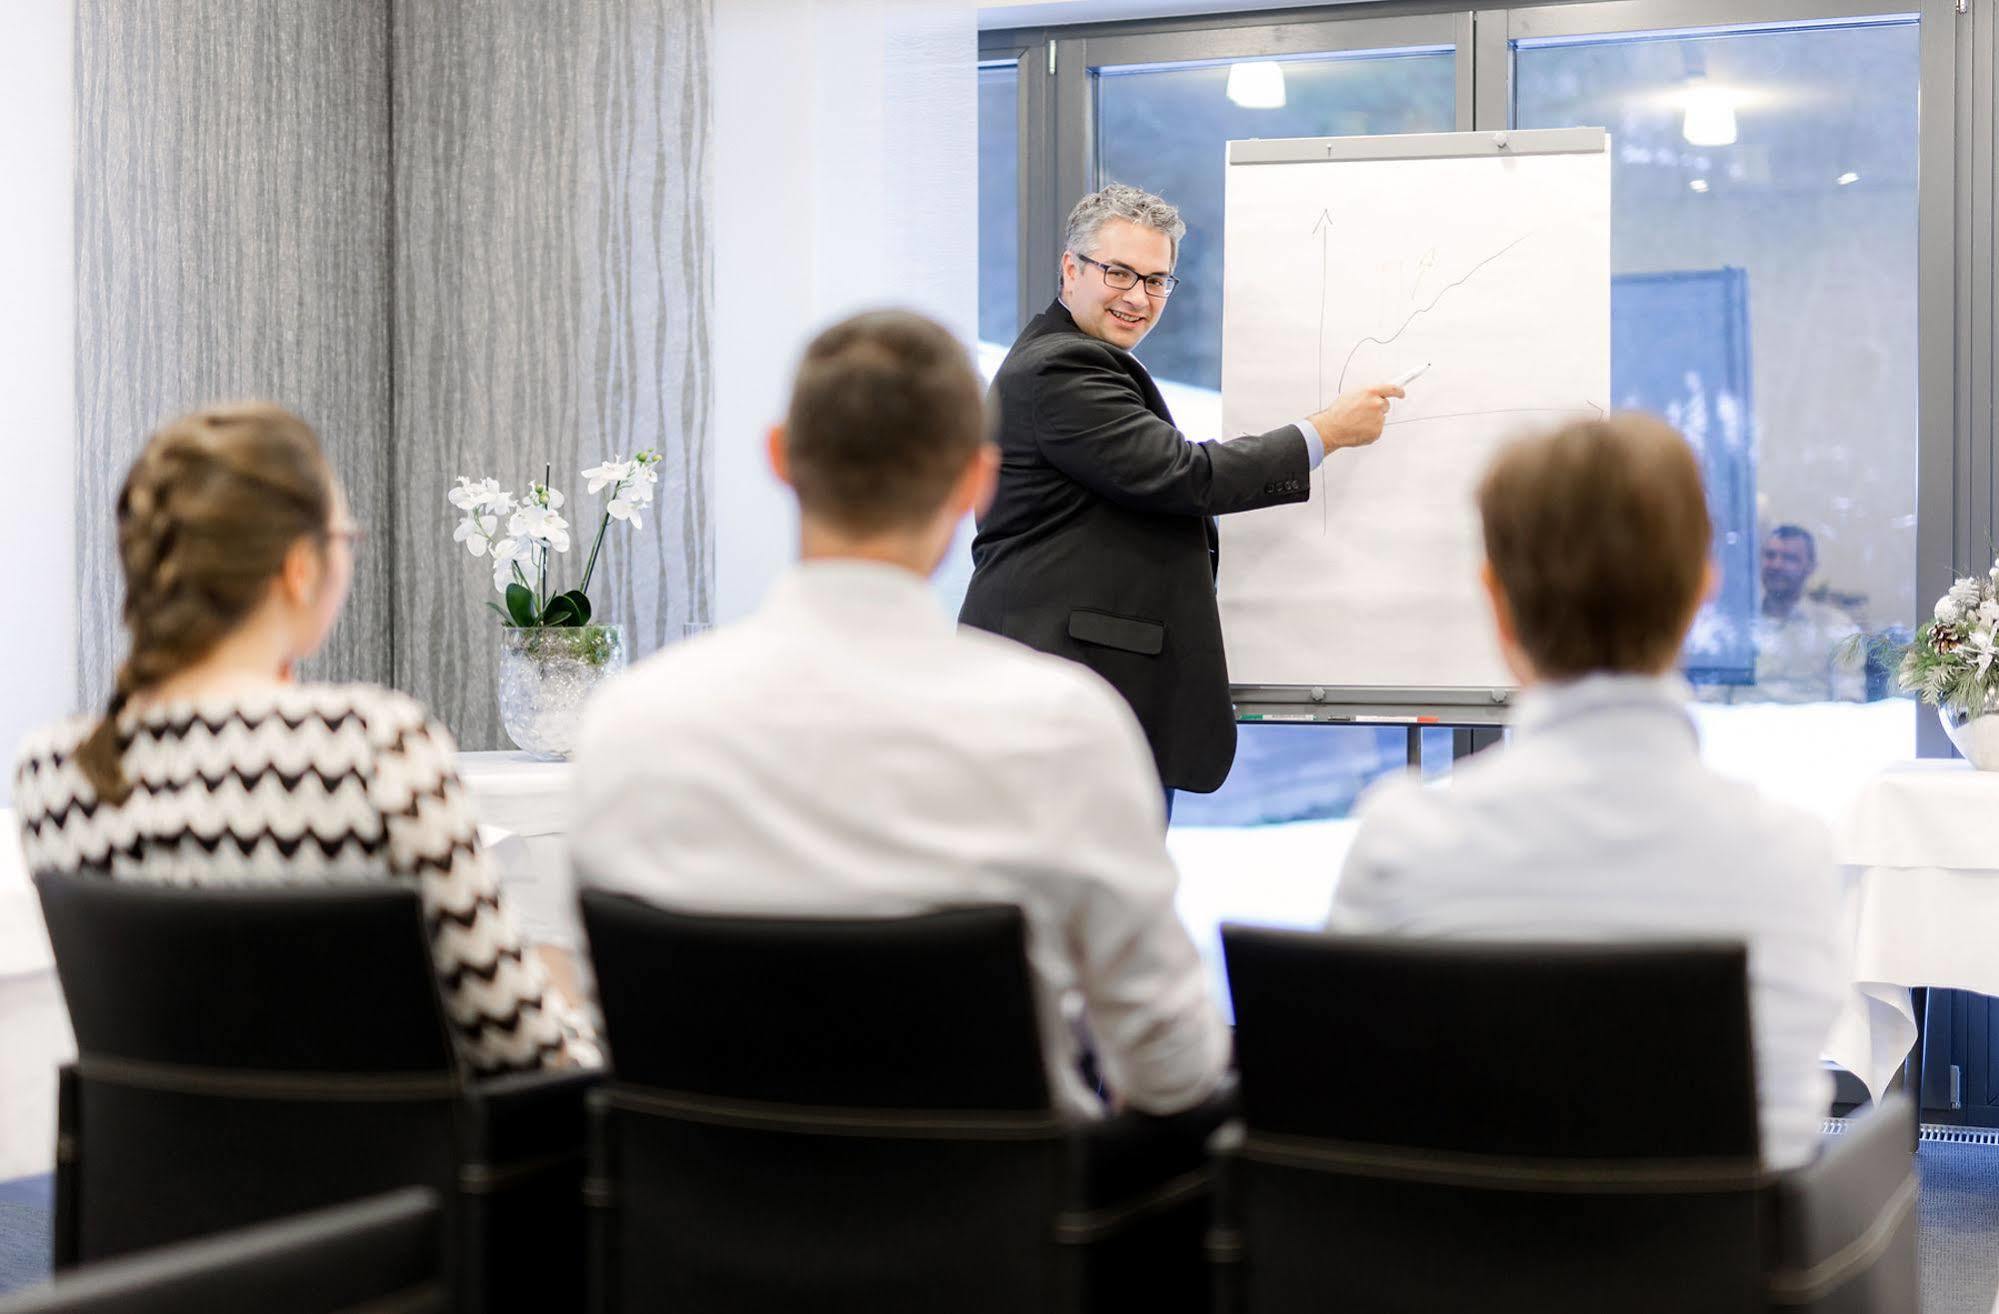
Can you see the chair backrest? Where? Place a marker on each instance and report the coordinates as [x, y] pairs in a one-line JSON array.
[[243, 1054], [1580, 1051], [837, 1115], [1507, 1127], [924, 1012], [293, 978], [373, 1255]]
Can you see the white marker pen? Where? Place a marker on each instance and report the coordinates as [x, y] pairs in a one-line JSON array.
[[1405, 379]]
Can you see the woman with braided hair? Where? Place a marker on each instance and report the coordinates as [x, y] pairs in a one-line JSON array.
[[209, 765]]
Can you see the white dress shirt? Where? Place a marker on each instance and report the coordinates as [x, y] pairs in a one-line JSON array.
[[849, 751], [1598, 822]]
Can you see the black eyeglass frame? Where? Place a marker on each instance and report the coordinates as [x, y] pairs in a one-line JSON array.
[[1171, 280]]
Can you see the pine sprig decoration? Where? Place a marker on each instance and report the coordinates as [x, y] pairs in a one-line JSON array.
[[1953, 661]]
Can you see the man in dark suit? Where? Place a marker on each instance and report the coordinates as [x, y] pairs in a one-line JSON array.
[[1100, 543]]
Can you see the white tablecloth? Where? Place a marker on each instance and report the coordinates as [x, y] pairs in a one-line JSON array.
[[34, 1027], [1921, 847], [520, 803], [523, 809], [1921, 841]]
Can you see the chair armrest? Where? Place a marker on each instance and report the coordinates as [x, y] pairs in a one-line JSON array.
[[1223, 1245], [1844, 1225], [1134, 1164], [520, 1121], [67, 1241]]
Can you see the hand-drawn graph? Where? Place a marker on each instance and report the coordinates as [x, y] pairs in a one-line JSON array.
[[1341, 273], [1417, 309]]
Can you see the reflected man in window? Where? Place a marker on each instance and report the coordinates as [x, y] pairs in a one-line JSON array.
[[1801, 642]]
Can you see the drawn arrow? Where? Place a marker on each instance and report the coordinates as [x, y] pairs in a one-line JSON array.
[[1323, 229]]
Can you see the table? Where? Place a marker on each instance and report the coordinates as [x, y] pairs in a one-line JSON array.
[[522, 805], [1920, 844], [34, 1026], [523, 808]]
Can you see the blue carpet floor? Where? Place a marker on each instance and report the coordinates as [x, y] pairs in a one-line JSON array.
[[1959, 1235], [1959, 1232], [26, 1206]]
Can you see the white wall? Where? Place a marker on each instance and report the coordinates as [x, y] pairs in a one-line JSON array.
[[37, 370], [846, 177]]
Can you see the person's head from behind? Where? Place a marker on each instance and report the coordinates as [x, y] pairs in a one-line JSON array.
[[1596, 544], [1789, 557], [1118, 255], [885, 442], [235, 543]]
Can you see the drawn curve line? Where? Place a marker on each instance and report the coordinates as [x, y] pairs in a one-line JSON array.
[[1325, 504], [1418, 313], [1498, 410]]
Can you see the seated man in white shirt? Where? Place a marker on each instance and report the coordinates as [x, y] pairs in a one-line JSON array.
[[1598, 821], [849, 751]]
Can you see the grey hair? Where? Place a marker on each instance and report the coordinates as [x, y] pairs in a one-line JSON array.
[[1121, 201]]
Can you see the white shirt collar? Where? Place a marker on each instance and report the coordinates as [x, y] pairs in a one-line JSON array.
[[1632, 700], [864, 594]]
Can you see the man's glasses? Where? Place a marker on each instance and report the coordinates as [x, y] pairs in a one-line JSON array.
[[1123, 278]]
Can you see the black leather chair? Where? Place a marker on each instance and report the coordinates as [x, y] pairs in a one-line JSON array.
[[378, 1256], [252, 1052], [854, 1115], [1431, 1126]]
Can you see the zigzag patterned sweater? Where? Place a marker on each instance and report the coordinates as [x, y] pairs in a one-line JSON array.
[[306, 783]]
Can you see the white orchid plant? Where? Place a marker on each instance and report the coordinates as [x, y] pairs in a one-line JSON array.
[[520, 532], [1953, 663]]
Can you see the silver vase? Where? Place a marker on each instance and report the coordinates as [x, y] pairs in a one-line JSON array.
[[1976, 738], [546, 674]]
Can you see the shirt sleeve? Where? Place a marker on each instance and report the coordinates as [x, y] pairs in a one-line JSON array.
[[1161, 1042], [495, 994], [1315, 447]]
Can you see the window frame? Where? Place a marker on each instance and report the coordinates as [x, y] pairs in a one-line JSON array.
[[1017, 56]]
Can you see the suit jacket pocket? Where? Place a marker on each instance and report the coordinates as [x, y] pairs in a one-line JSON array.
[[1126, 632]]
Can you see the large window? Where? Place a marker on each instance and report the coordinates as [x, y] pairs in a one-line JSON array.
[[1764, 300], [999, 202], [1167, 129], [1765, 267]]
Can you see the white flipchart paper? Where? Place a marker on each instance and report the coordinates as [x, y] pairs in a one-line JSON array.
[[1495, 271]]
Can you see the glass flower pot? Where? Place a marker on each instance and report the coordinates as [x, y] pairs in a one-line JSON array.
[[546, 674]]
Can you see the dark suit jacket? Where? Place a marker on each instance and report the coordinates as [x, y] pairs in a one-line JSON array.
[[1099, 545]]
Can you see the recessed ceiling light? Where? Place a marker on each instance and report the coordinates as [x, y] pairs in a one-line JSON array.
[[1258, 85], [1709, 117], [1698, 184], [1847, 179]]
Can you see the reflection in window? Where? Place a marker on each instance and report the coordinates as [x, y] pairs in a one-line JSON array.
[[1764, 301]]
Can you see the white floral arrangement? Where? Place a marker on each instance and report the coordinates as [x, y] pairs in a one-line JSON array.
[[1950, 663], [520, 532]]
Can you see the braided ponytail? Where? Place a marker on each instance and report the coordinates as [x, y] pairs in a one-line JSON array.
[[205, 518]]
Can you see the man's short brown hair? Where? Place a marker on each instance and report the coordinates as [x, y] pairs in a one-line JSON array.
[[886, 413], [1599, 535]]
